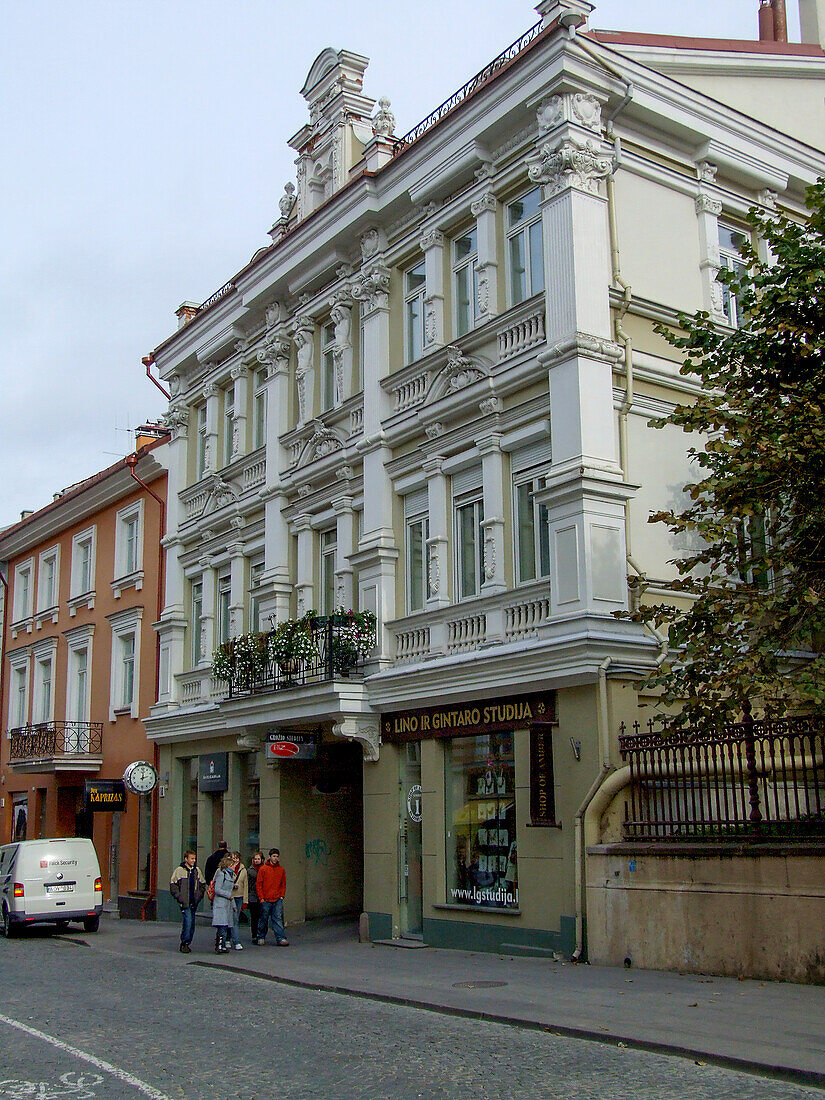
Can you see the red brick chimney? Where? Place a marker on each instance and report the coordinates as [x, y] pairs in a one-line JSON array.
[[773, 21]]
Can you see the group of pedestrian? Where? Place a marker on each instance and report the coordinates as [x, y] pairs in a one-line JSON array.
[[232, 888]]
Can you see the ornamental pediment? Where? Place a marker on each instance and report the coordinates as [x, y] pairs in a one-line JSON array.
[[459, 373], [322, 442]]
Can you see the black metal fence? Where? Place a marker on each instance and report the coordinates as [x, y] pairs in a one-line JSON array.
[[467, 89], [46, 739], [335, 656], [763, 780]]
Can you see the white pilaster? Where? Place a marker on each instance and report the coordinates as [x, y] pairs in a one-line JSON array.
[[212, 395], [344, 546], [438, 507], [302, 526], [708, 209], [484, 211], [209, 610], [275, 579], [492, 466], [432, 245], [240, 376], [585, 494], [237, 588]]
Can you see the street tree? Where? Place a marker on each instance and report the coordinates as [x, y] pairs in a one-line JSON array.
[[745, 620]]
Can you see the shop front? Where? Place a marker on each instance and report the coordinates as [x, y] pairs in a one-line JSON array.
[[479, 846]]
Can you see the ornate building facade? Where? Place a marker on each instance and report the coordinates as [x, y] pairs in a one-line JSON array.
[[429, 399]]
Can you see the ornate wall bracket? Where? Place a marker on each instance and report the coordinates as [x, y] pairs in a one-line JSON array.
[[364, 731]]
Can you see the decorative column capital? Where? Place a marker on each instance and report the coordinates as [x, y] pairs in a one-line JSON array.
[[485, 205], [705, 204], [575, 163], [371, 288], [433, 239], [239, 371]]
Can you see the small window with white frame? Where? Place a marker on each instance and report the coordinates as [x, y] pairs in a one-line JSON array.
[[128, 548], [415, 289], [525, 250], [465, 280], [224, 624], [19, 666], [259, 409], [196, 622], [48, 581], [327, 367], [44, 654], [256, 570], [84, 547], [228, 423], [78, 688], [125, 662], [468, 517], [23, 593], [532, 530], [417, 531], [730, 259], [329, 550]]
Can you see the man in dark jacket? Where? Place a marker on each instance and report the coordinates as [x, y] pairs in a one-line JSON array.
[[211, 865], [187, 888]]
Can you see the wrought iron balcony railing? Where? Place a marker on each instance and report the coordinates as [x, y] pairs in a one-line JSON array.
[[43, 740], [335, 657]]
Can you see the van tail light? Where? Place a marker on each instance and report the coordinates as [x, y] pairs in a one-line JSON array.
[[19, 892], [98, 885]]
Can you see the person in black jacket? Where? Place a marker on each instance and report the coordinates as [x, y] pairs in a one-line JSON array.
[[211, 865], [187, 888]]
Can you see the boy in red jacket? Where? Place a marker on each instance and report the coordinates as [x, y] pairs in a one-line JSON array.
[[271, 887]]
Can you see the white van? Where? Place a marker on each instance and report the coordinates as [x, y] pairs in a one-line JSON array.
[[50, 881]]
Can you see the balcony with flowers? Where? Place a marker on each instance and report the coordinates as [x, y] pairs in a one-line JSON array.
[[296, 653]]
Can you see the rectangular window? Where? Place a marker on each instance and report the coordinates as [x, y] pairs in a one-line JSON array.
[[228, 424], [482, 868], [127, 670], [418, 586], [200, 462], [49, 564], [23, 591], [83, 563], [256, 570], [532, 530], [525, 251], [465, 281], [78, 686], [415, 288], [753, 547], [224, 616], [469, 516], [328, 367], [44, 690], [259, 410], [197, 622], [730, 244], [328, 555], [19, 697], [130, 543]]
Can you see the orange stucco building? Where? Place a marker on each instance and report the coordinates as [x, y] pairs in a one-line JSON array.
[[80, 662]]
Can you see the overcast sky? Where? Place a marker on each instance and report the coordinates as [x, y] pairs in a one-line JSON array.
[[145, 152]]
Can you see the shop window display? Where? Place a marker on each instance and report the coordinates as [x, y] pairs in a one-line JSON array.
[[482, 867]]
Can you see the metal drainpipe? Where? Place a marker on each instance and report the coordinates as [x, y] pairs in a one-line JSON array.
[[132, 461], [148, 362]]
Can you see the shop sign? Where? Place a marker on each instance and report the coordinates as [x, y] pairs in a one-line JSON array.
[[291, 745], [414, 803], [214, 772], [104, 795], [542, 791], [462, 719]]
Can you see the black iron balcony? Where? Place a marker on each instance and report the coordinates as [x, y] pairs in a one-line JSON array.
[[56, 746], [333, 656]]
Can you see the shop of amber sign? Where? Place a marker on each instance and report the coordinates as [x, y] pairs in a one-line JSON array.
[[477, 716], [105, 794]]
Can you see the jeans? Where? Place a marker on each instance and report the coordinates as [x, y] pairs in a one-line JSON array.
[[234, 932], [272, 912], [254, 917], [187, 929]]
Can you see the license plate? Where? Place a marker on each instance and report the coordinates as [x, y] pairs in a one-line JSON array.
[[63, 888]]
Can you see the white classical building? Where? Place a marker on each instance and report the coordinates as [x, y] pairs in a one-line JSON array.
[[429, 398]]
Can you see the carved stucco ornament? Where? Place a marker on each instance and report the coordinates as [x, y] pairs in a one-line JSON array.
[[365, 732], [579, 164]]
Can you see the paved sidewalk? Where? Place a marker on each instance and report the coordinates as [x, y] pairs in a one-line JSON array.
[[770, 1028]]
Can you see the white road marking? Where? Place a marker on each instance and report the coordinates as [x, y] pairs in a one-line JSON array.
[[99, 1063]]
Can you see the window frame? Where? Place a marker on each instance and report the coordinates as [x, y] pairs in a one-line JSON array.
[[196, 652], [46, 607], [256, 568], [328, 386], [416, 514], [19, 688], [128, 571], [201, 417], [23, 606], [80, 644], [125, 663], [43, 654], [540, 550], [414, 325], [466, 267], [473, 499], [259, 408], [512, 231], [328, 564], [223, 607], [730, 260], [228, 405], [82, 590]]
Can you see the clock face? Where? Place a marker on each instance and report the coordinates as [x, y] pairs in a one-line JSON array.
[[141, 777]]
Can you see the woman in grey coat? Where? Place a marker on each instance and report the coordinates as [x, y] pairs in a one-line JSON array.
[[223, 882]]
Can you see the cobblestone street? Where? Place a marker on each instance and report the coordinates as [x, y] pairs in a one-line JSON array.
[[129, 1025]]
